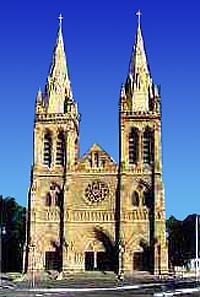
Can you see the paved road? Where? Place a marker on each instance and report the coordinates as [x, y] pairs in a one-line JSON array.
[[110, 288], [77, 294], [94, 294], [147, 292]]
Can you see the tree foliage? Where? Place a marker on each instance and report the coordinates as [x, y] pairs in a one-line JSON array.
[[13, 220], [181, 240], [175, 242]]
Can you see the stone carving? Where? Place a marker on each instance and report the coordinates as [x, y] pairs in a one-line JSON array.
[[96, 191]]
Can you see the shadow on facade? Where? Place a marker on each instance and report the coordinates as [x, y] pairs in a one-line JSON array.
[[106, 261], [117, 222], [54, 259], [142, 259], [149, 249], [151, 205]]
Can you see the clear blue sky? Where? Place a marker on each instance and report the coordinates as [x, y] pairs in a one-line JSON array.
[[98, 39]]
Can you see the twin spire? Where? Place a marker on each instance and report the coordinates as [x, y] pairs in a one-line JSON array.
[[58, 85], [139, 87], [58, 88], [58, 68], [138, 61]]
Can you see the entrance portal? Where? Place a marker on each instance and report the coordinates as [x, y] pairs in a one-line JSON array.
[[98, 261], [103, 262], [138, 261], [89, 261], [52, 261], [141, 261]]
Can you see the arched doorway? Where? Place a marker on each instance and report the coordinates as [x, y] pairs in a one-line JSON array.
[[99, 253]]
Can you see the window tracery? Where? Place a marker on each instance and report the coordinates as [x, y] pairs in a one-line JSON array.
[[96, 191], [53, 197]]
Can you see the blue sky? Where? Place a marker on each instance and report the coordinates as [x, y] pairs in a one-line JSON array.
[[98, 39]]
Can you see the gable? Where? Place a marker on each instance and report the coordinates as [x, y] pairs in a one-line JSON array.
[[97, 159]]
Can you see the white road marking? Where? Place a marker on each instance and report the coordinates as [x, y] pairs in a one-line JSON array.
[[177, 292]]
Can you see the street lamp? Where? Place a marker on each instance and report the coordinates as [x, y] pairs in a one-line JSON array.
[[2, 232], [197, 248], [121, 264], [32, 246]]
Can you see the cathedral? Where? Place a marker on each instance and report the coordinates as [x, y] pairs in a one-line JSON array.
[[88, 213]]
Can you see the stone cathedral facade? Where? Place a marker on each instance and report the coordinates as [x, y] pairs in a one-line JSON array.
[[88, 212]]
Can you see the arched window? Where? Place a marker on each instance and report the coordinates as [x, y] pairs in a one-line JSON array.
[[47, 149], [54, 196], [57, 195], [148, 146], [133, 146], [147, 199], [48, 200], [96, 159], [135, 199], [76, 150], [60, 150]]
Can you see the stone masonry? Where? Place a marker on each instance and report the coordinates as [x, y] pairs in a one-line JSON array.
[[90, 213]]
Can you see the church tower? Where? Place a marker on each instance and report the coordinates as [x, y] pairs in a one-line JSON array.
[[142, 212], [89, 213], [56, 150]]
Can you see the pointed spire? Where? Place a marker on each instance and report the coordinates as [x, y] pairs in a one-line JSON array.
[[39, 96], [139, 79], [138, 61], [58, 85], [39, 102], [59, 63], [122, 91]]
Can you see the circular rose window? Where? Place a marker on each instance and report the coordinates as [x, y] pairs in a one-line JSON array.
[[96, 191]]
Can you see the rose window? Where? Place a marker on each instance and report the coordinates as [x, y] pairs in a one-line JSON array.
[[96, 191]]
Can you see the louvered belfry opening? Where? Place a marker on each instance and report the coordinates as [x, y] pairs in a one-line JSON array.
[[60, 150], [133, 146], [48, 149], [148, 146]]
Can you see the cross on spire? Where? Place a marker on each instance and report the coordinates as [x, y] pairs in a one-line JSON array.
[[60, 19], [139, 16]]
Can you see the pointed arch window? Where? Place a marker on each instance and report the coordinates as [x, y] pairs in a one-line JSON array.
[[54, 196], [47, 158], [133, 146], [148, 146], [146, 199], [48, 200], [76, 149], [96, 159], [60, 149], [135, 199]]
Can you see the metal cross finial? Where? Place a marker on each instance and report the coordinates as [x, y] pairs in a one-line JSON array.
[[60, 19], [139, 16]]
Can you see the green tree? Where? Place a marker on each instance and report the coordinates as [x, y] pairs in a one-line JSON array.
[[175, 241], [181, 240], [13, 218]]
